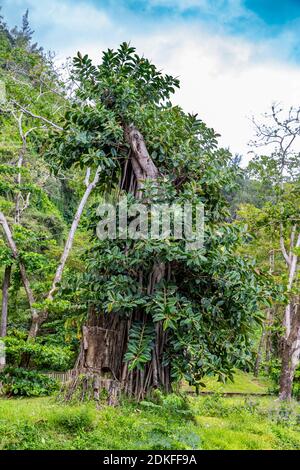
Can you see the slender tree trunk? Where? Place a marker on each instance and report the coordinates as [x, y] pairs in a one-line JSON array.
[[34, 314], [268, 343], [286, 375], [14, 250], [290, 355], [18, 182], [260, 351], [291, 322], [3, 326], [263, 343], [38, 320], [5, 287], [70, 239]]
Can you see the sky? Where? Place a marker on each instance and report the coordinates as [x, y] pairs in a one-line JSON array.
[[234, 58]]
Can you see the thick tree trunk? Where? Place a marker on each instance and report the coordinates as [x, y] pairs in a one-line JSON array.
[[100, 364], [288, 368], [104, 344]]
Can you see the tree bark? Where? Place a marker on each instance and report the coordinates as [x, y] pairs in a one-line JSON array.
[[5, 287], [15, 253], [4, 313], [145, 169], [269, 338], [291, 324], [260, 352], [286, 375], [288, 368], [136, 170], [263, 343], [290, 355]]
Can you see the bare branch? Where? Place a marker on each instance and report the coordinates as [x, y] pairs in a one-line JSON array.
[[87, 176], [292, 239], [283, 249], [69, 242], [25, 202], [36, 116]]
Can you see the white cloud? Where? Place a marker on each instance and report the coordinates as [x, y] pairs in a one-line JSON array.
[[65, 13], [61, 25], [224, 79], [72, 17]]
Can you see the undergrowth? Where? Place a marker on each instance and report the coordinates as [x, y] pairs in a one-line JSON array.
[[169, 422]]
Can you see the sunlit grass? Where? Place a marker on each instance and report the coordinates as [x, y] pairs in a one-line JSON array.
[[218, 423], [243, 383]]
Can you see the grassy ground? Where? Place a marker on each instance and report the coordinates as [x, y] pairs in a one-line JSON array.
[[243, 383], [208, 423]]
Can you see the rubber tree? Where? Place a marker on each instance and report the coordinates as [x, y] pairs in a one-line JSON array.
[[156, 312]]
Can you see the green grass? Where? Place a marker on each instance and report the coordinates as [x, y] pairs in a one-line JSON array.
[[243, 383], [248, 424], [215, 423]]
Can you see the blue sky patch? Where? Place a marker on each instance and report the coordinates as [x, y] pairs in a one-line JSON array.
[[233, 57]]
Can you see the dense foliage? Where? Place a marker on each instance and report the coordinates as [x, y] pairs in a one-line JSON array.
[[28, 383], [210, 302], [186, 313]]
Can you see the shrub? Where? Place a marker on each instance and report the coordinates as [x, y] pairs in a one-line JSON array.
[[74, 420], [169, 404], [43, 357], [21, 382], [214, 405]]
